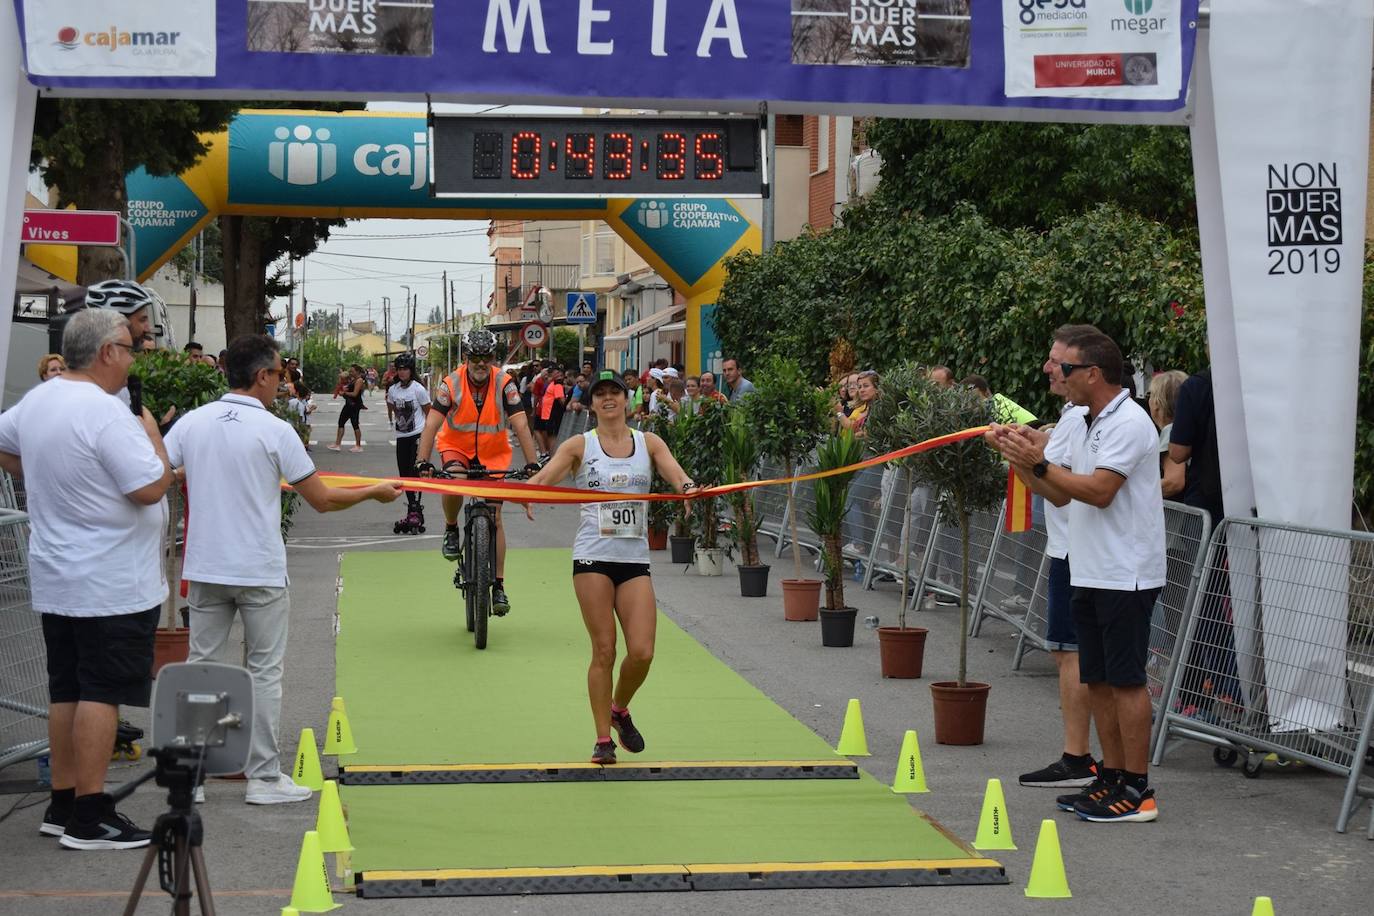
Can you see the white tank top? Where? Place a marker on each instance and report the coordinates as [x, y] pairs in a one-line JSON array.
[[614, 532]]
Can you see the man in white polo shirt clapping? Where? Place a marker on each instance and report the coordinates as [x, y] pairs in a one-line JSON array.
[[1116, 540], [233, 455]]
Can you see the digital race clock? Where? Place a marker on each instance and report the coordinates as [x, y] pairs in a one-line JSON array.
[[617, 156]]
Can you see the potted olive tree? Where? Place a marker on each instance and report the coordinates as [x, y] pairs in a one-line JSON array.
[[788, 415], [891, 426], [699, 438], [827, 520], [741, 453], [661, 512], [169, 384], [967, 477]]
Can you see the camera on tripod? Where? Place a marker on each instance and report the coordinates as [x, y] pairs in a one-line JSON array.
[[202, 726]]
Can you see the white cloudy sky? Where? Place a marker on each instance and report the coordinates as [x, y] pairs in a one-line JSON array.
[[369, 259]]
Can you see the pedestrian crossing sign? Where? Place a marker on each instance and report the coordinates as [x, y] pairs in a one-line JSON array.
[[581, 308]]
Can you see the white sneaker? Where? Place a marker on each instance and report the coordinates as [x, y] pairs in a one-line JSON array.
[[279, 791]]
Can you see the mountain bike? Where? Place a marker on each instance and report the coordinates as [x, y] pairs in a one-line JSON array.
[[475, 572]]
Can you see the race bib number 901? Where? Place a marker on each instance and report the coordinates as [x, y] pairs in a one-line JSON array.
[[621, 520]]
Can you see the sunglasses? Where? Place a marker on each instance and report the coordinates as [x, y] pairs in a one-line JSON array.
[[1068, 368]]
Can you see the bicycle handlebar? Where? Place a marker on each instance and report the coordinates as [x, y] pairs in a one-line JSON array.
[[477, 472]]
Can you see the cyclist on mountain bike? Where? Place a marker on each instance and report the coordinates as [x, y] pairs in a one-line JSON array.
[[468, 420]]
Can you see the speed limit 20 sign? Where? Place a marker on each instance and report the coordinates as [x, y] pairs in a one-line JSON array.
[[534, 335]]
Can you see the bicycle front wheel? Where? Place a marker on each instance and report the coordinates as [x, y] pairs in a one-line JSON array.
[[481, 562]]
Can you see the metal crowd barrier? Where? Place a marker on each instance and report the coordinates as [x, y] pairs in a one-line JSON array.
[[1277, 654], [1012, 583], [886, 555], [23, 667], [941, 571], [770, 503]]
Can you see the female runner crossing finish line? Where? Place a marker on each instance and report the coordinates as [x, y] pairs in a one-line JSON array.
[[611, 555]]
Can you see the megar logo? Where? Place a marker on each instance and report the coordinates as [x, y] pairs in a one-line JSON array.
[[113, 39], [1138, 22]]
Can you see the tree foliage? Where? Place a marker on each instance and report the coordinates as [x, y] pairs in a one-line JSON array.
[[322, 360], [85, 147], [1023, 174]]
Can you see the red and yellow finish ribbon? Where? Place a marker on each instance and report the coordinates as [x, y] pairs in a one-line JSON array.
[[529, 493]]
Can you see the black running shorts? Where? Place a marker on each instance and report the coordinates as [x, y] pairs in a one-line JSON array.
[[618, 573], [1113, 634]]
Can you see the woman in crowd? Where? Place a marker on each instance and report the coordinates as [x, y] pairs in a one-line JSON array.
[[51, 366], [353, 385], [1163, 397], [865, 392]]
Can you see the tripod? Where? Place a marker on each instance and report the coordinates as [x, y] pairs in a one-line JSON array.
[[177, 836]]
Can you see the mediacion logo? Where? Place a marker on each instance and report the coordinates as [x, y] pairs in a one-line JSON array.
[[113, 39], [1050, 13]]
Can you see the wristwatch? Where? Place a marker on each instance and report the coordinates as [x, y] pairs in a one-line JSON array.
[[1040, 468]]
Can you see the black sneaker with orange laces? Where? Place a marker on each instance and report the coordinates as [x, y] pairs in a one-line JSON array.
[[1125, 804], [1101, 786]]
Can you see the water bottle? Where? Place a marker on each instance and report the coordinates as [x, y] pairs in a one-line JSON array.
[[871, 621], [858, 570], [45, 771]]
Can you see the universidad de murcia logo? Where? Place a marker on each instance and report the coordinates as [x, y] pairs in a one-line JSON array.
[[69, 38]]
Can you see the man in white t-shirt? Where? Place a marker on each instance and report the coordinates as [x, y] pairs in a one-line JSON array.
[[1116, 540], [1075, 767], [233, 455], [95, 477]]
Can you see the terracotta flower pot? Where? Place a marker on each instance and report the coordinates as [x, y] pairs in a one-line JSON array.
[[170, 647], [801, 599], [902, 651], [658, 538], [959, 712]]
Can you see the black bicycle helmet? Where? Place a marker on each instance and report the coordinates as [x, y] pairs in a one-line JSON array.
[[124, 296], [480, 342], [405, 361]]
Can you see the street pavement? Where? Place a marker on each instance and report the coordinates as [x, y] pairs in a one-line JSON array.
[[1221, 839]]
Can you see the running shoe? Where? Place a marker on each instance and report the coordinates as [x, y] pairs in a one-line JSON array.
[[332, 448], [111, 830], [55, 819], [1094, 791], [944, 600], [604, 753], [1061, 774], [1124, 803], [630, 738], [500, 604], [453, 545], [278, 790], [355, 448]]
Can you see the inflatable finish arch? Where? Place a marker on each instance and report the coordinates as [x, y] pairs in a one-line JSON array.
[[367, 164]]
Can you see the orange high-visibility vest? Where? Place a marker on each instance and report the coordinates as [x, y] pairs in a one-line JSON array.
[[467, 430]]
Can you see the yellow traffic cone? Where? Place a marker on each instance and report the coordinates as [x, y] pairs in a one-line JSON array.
[[1047, 878], [1263, 907], [306, 772], [290, 911], [853, 742], [911, 774], [337, 703], [338, 734], [994, 827], [330, 822], [311, 893]]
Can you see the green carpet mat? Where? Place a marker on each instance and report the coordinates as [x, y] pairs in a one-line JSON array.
[[418, 692], [562, 825]]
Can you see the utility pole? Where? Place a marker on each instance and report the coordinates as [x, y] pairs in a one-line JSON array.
[[411, 343], [414, 306], [195, 275], [386, 325]]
